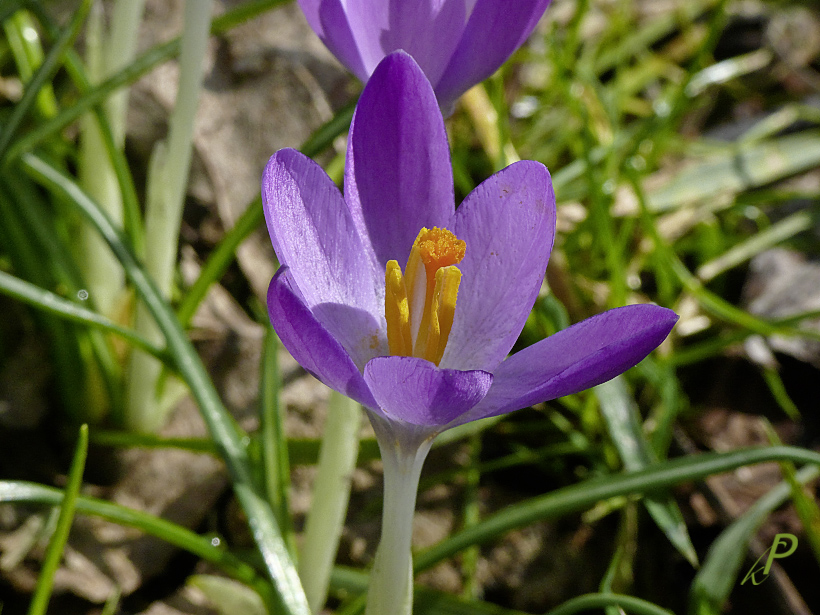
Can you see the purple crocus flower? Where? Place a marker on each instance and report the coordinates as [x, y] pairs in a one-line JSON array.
[[398, 300], [457, 43], [327, 302]]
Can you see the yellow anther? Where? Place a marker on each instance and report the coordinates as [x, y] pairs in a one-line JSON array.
[[420, 306], [397, 311], [442, 312], [439, 248]]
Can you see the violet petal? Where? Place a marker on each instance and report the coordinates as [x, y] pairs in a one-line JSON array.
[[310, 343], [330, 22], [416, 391], [428, 31], [496, 28], [508, 224], [313, 233], [398, 176], [577, 358]]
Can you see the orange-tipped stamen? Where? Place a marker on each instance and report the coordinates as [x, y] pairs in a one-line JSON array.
[[420, 306]]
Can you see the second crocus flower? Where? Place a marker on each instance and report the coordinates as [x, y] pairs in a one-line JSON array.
[[457, 43]]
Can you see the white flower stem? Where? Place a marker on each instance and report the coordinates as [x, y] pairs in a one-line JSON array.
[[167, 181], [391, 580], [331, 493]]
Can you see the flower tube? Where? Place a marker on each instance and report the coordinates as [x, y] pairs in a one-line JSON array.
[[457, 43], [392, 296]]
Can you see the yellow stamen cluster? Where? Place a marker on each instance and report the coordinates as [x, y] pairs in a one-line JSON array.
[[419, 306]]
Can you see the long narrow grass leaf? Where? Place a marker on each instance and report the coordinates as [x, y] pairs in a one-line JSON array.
[[136, 69], [578, 497], [45, 580], [10, 7], [43, 75], [220, 424], [716, 578], [623, 422], [23, 39], [28, 262], [181, 537], [275, 459], [735, 171], [595, 602], [56, 305], [779, 231], [224, 253], [331, 493], [166, 185], [228, 596]]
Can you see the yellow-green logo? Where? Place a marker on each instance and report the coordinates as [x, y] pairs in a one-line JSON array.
[[773, 554]]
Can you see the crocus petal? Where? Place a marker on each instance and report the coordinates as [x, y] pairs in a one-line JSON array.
[[508, 224], [313, 233], [328, 19], [310, 343], [495, 29], [398, 176], [427, 30], [416, 391], [577, 358]]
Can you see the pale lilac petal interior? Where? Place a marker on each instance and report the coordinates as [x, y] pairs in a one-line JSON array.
[[313, 233], [310, 343], [508, 224]]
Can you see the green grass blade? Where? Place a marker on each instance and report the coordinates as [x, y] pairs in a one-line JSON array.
[[581, 496], [623, 422], [62, 341], [716, 578], [220, 259], [220, 424], [181, 537], [627, 604], [300, 451], [132, 213], [10, 7], [768, 238], [228, 596], [331, 494], [127, 439], [43, 75], [112, 605], [708, 300], [136, 69], [24, 41], [45, 581], [224, 254], [56, 305], [738, 170], [95, 371], [275, 458]]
